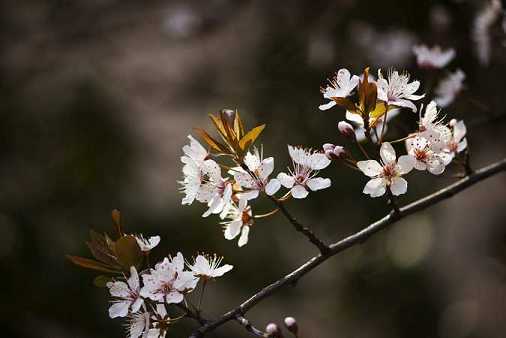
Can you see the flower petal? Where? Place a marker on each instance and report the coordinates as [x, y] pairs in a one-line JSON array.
[[318, 183], [243, 240], [398, 186], [233, 229], [387, 153], [299, 192], [272, 187], [327, 105], [174, 297], [119, 309], [375, 187], [405, 164], [370, 168], [286, 181]]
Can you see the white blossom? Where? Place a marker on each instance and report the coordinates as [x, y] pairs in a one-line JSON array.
[[147, 244], [448, 89], [341, 85], [138, 325], [397, 90], [240, 218], [127, 295], [221, 199], [306, 165], [160, 321], [208, 267], [387, 173], [432, 128], [359, 123], [202, 176], [167, 282], [257, 179], [457, 142], [434, 57], [426, 157]]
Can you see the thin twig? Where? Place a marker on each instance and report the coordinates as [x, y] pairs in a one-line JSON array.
[[355, 239], [324, 249]]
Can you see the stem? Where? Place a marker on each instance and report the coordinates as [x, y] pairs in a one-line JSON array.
[[270, 213], [383, 127]]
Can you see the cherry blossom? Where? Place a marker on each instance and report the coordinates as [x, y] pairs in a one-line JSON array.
[[160, 322], [220, 201], [387, 173], [138, 325], [167, 282], [306, 165], [147, 245], [448, 89], [240, 220], [434, 57], [341, 85], [457, 142], [208, 267], [127, 295], [397, 90], [256, 179], [426, 157]]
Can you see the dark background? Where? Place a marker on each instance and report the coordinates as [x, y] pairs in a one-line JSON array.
[[97, 98]]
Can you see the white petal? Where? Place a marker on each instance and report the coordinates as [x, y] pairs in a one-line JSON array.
[[248, 195], [319, 161], [405, 164], [222, 270], [252, 161], [272, 187], [404, 103], [161, 310], [299, 191], [355, 118], [243, 240], [133, 281], [266, 168], [318, 183], [370, 168], [233, 229], [419, 165], [387, 153], [137, 304], [286, 180], [118, 289], [375, 187], [119, 309], [178, 262], [174, 297], [462, 145], [459, 131], [399, 186], [327, 105]]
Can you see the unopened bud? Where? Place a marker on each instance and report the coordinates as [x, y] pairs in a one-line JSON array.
[[333, 152], [230, 115], [291, 325], [452, 122], [346, 129], [273, 330]]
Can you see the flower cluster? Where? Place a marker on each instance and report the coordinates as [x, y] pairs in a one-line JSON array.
[[230, 192], [142, 294], [432, 147]]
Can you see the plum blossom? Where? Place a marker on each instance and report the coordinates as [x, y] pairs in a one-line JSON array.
[[387, 173], [138, 325], [434, 57], [457, 142], [397, 91], [147, 244], [257, 179], [306, 165], [202, 176], [127, 295], [341, 85], [334, 152], [448, 89], [208, 267], [160, 322], [167, 282], [221, 199], [426, 157], [432, 128], [240, 219], [359, 123]]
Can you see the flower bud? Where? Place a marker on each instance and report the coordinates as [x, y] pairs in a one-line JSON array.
[[346, 129], [291, 325], [333, 152], [273, 330], [452, 123], [230, 116]]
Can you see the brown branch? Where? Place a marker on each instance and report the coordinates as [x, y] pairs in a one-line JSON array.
[[355, 239], [324, 249]]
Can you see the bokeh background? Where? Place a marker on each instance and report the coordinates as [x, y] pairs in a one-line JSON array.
[[97, 98]]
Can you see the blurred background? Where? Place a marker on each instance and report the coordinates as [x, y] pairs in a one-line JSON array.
[[97, 98]]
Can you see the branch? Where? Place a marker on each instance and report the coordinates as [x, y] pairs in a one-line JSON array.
[[324, 249], [355, 239]]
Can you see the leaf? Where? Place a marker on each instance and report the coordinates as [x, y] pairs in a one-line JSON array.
[[231, 137], [101, 281], [100, 249], [238, 125], [90, 264], [379, 110], [250, 137], [367, 93], [345, 103], [215, 145], [219, 125], [128, 252]]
